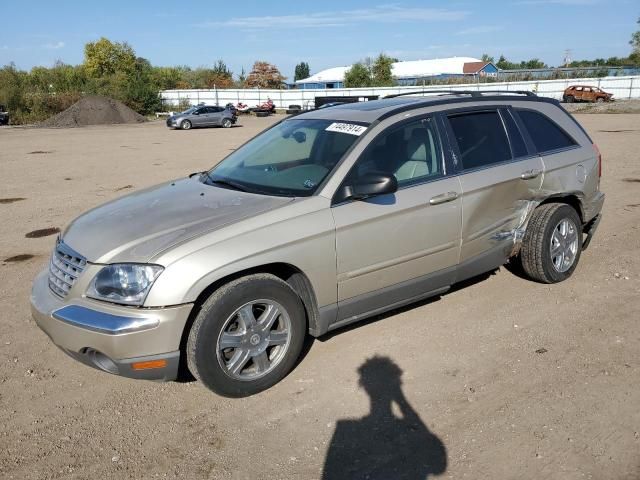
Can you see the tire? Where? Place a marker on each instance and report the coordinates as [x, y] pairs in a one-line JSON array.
[[293, 111], [185, 125], [226, 123], [262, 114], [265, 354], [599, 100], [571, 99], [295, 107], [544, 232]]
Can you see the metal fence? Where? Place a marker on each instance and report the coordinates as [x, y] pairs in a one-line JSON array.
[[621, 87]]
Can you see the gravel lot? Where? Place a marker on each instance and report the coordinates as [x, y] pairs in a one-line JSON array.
[[501, 379]]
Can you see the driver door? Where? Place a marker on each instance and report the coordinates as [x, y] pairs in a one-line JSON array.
[[199, 117], [396, 248]]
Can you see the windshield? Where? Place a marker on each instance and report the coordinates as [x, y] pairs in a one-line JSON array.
[[290, 159]]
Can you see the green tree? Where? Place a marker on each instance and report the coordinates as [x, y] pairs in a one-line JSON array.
[[504, 64], [242, 79], [104, 57], [635, 45], [486, 58], [635, 40], [381, 71], [301, 72], [359, 75]]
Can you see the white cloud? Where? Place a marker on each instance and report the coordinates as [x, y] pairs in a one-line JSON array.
[[379, 14], [54, 46], [479, 30], [558, 2]]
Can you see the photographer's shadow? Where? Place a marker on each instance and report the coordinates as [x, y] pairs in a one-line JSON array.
[[381, 445]]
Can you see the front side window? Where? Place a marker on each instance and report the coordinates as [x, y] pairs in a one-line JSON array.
[[411, 152], [481, 138], [290, 159], [546, 135]]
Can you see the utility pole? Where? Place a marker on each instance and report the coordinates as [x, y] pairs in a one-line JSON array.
[[567, 57]]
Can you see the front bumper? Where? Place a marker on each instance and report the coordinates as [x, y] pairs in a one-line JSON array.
[[132, 342]]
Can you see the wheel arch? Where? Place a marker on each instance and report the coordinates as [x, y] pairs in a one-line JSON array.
[[571, 199], [289, 273]]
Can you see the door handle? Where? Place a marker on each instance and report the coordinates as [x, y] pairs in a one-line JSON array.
[[443, 198], [530, 174]]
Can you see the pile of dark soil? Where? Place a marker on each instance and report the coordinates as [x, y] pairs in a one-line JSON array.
[[94, 110]]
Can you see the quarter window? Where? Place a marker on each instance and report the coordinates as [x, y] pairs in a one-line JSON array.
[[546, 135], [481, 138]]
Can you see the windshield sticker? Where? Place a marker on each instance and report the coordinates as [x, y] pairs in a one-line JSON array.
[[349, 128], [309, 184]]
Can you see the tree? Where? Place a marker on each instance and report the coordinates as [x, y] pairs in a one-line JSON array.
[[301, 72], [635, 40], [381, 71], [486, 58], [359, 75], [104, 57], [265, 75], [242, 79], [635, 45]]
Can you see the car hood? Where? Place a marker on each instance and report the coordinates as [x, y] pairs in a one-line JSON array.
[[138, 226]]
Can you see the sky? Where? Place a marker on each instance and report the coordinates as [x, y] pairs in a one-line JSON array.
[[324, 34]]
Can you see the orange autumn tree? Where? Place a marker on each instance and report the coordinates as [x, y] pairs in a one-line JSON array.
[[265, 75]]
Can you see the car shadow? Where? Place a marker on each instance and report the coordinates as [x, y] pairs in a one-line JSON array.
[[383, 445], [396, 311]]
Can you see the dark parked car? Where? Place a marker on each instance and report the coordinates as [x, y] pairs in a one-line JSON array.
[[4, 115], [203, 116]]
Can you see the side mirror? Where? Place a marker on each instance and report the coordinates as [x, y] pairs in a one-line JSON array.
[[370, 185]]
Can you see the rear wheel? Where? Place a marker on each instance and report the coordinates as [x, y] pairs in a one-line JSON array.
[[185, 125], [552, 243], [247, 336]]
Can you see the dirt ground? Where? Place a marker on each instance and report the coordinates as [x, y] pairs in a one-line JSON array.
[[501, 379]]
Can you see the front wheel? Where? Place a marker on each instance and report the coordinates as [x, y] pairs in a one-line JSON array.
[[247, 336], [552, 243], [226, 123], [599, 100], [186, 125], [571, 99]]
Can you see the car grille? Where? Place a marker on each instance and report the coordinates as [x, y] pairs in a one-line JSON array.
[[65, 267]]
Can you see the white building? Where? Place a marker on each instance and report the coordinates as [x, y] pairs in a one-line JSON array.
[[406, 73]]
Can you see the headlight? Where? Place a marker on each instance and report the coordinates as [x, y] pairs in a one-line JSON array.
[[126, 283]]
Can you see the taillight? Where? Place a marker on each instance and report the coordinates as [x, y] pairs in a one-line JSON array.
[[595, 147]]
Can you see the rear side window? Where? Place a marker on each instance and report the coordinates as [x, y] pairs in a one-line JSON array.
[[546, 135], [481, 138]]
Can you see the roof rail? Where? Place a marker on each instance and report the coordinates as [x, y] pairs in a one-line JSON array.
[[473, 93]]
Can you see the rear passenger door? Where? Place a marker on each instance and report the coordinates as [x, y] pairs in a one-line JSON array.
[[215, 115], [500, 178]]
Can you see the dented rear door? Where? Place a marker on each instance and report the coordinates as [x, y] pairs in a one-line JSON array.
[[500, 180]]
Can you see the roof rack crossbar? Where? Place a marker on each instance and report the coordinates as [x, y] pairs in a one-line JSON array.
[[473, 93]]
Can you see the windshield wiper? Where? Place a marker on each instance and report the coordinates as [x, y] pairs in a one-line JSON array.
[[226, 183]]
